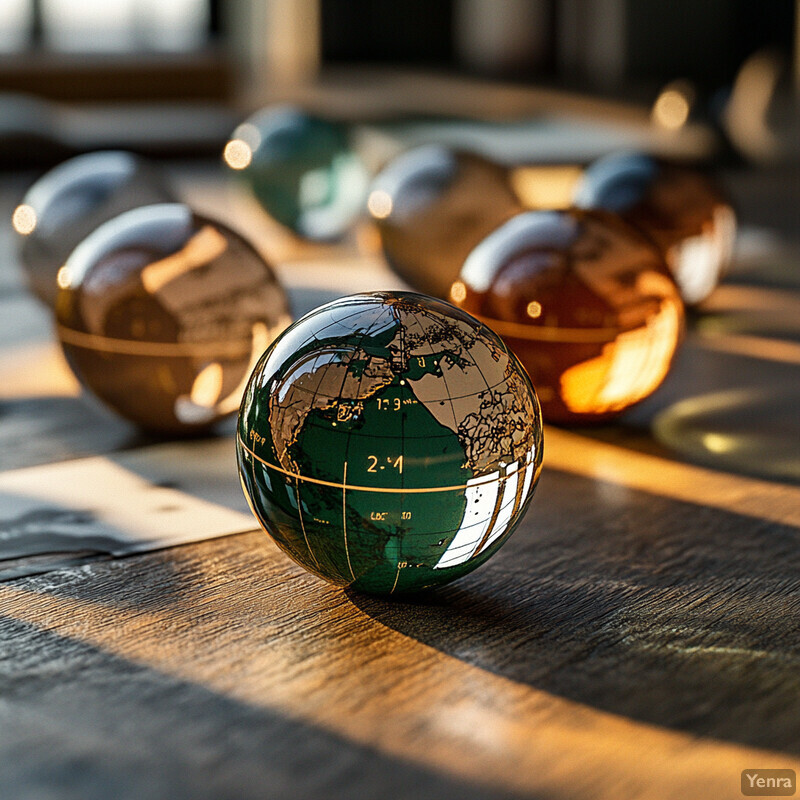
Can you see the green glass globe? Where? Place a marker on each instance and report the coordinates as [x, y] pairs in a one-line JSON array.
[[302, 170], [389, 442]]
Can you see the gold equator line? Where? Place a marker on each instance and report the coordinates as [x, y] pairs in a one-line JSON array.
[[108, 344], [549, 334], [353, 488]]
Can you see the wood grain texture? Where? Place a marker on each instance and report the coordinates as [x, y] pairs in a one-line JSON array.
[[638, 636], [625, 650]]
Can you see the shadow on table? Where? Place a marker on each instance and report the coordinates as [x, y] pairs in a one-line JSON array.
[[43, 430], [666, 612], [96, 726]]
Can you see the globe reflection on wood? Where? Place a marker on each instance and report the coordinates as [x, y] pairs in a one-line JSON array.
[[302, 169], [389, 442], [679, 208], [70, 201], [432, 205], [163, 313], [584, 301]]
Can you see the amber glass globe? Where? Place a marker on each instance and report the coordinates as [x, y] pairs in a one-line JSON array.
[[162, 314], [585, 302]]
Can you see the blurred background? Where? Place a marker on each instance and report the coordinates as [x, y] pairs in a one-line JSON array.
[[142, 49], [716, 81], [240, 54]]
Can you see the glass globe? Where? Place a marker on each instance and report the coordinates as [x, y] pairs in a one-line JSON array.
[[162, 313], [302, 170], [67, 203], [432, 205], [682, 210], [585, 302], [389, 442]]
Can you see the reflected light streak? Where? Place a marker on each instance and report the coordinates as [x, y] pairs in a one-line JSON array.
[[64, 277], [671, 109], [698, 261], [206, 245], [458, 292], [760, 347], [262, 338], [747, 111], [753, 497], [207, 386], [718, 443]]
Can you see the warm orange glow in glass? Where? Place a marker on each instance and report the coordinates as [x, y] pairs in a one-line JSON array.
[[458, 292], [545, 187], [24, 219], [237, 154], [628, 369]]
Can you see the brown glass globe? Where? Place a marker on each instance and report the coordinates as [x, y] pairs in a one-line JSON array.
[[585, 302], [681, 209], [432, 205], [162, 313]]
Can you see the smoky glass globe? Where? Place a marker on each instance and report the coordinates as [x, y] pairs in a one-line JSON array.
[[67, 203]]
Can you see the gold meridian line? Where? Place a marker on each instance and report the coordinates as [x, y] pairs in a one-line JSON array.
[[397, 575], [380, 490], [566, 335], [133, 347], [302, 523], [344, 521]]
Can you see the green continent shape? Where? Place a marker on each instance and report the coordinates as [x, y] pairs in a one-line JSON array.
[[393, 538]]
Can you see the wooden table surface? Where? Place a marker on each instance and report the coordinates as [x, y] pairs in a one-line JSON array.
[[638, 636]]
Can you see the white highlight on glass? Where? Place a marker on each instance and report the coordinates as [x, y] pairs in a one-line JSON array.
[[16, 24]]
